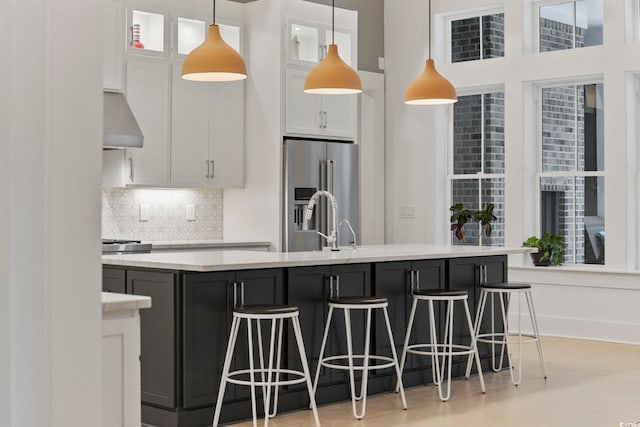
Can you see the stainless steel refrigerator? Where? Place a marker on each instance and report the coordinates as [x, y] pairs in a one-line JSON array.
[[312, 165]]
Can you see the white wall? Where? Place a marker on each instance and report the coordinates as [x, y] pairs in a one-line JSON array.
[[415, 146], [417, 157], [253, 213], [372, 151], [50, 215]]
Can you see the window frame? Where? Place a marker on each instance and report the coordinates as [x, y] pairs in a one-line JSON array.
[[539, 174], [479, 176], [536, 21], [474, 13]]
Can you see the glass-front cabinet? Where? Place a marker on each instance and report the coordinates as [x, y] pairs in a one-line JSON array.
[[193, 131], [191, 31], [308, 43], [147, 32]]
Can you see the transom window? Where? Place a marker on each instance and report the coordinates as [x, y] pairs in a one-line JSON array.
[[477, 37], [571, 169], [569, 24], [478, 163]]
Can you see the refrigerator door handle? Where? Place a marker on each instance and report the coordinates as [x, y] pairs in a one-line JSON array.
[[330, 176]]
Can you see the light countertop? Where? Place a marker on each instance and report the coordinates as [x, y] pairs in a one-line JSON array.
[[196, 244], [121, 302], [202, 261]]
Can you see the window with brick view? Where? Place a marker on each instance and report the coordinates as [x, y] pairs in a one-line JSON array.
[[569, 25], [476, 38], [571, 170], [478, 162]]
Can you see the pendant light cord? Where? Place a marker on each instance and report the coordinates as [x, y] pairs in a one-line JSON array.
[[214, 12], [333, 21], [429, 29]]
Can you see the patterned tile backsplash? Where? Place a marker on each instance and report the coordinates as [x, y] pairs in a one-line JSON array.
[[167, 214]]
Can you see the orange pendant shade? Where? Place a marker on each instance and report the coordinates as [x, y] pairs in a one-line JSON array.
[[214, 61], [332, 76], [430, 88]]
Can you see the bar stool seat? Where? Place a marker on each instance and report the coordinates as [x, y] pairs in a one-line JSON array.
[[265, 309], [504, 292], [358, 300], [270, 377], [347, 304], [445, 349]]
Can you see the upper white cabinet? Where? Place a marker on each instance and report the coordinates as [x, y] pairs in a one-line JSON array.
[[323, 115], [207, 137], [334, 116], [307, 43], [148, 96], [113, 45], [193, 132]]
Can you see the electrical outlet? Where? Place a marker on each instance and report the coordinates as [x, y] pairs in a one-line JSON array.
[[191, 212], [407, 212], [144, 212]]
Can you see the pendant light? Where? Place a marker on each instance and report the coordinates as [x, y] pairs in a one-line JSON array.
[[332, 76], [214, 60], [430, 88]]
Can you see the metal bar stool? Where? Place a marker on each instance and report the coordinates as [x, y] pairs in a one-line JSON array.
[[368, 303], [447, 349], [270, 377], [504, 291]]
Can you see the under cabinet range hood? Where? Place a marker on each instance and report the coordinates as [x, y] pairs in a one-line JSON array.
[[120, 127]]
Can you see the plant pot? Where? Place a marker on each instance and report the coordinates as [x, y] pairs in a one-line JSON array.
[[536, 259]]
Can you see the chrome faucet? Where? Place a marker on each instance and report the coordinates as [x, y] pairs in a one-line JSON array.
[[332, 238]]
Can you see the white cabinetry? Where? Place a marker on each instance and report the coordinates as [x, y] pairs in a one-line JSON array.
[[308, 43], [207, 147], [148, 97], [334, 116], [193, 132], [113, 45], [324, 115], [121, 359]]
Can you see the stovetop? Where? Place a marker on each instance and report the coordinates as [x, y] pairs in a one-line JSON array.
[[124, 246]]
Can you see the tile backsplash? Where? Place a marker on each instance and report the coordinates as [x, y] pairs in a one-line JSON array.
[[167, 214]]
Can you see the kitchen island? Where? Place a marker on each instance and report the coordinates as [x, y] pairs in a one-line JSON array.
[[184, 334]]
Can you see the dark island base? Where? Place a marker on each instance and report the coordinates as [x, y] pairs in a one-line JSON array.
[[185, 332], [295, 400]]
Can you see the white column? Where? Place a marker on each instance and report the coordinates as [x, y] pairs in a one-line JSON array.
[[50, 217]]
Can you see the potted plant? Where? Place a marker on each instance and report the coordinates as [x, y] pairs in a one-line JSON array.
[[484, 217], [459, 218], [549, 249]]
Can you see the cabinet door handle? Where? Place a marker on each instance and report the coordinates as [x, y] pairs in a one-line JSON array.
[[131, 175], [486, 281], [213, 169], [337, 286], [330, 286], [235, 294], [207, 163], [325, 119], [412, 280], [417, 274]]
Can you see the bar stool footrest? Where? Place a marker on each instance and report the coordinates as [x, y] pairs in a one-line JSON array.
[[458, 349], [389, 362], [492, 338], [258, 373]]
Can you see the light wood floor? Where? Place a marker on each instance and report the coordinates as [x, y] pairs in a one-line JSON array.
[[590, 384]]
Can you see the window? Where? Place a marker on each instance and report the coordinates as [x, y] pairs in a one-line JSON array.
[[569, 25], [477, 161], [571, 169], [478, 37]]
